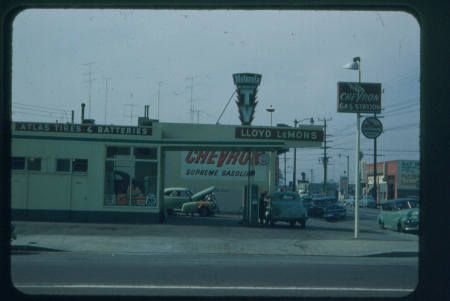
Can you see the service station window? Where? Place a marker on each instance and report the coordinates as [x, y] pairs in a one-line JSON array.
[[79, 165], [113, 151], [130, 176], [145, 153], [34, 164], [62, 165], [18, 163]]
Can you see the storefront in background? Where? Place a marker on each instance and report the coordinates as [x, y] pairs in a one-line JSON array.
[[395, 179]]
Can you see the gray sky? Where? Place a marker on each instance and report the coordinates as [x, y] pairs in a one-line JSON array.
[[299, 54]]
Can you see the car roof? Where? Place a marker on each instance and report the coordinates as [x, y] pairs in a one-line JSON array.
[[399, 200], [285, 192], [176, 188], [325, 198]]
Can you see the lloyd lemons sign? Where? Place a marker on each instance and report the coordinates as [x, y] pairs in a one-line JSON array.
[[359, 97], [223, 165], [279, 134]]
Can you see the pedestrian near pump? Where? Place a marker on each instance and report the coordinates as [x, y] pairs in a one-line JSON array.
[[262, 207]]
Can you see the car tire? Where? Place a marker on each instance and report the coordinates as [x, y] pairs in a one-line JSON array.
[[169, 211], [381, 225], [203, 211], [302, 224], [399, 228], [292, 224], [272, 223]]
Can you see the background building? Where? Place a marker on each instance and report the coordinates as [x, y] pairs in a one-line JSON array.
[[395, 179]]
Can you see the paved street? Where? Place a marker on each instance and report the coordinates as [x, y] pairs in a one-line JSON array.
[[215, 256], [255, 275]]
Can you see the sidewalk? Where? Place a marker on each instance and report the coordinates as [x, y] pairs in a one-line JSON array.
[[171, 245]]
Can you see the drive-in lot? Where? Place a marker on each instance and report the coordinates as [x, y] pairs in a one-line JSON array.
[[215, 256], [181, 228]]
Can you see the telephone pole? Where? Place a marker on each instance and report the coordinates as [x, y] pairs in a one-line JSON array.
[[294, 174], [285, 179], [348, 175], [191, 86], [325, 158]]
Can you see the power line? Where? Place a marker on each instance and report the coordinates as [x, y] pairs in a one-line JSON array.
[[35, 106]]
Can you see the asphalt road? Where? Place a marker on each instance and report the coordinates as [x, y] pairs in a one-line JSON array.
[[213, 275], [200, 266]]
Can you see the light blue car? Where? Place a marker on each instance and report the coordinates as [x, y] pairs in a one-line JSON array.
[[401, 215]]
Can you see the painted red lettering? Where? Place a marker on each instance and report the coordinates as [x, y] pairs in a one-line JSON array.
[[201, 155], [188, 158], [233, 156], [243, 159], [212, 155], [223, 155]]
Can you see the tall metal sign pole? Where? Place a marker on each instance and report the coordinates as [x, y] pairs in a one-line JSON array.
[[372, 128], [246, 90], [294, 174], [358, 150], [358, 98]]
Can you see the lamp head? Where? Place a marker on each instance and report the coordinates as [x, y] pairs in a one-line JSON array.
[[270, 110]]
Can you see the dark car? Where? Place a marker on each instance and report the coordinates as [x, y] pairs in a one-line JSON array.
[[319, 204], [307, 202], [371, 203], [334, 211], [286, 207]]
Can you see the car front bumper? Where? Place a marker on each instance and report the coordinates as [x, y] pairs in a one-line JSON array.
[[411, 227]]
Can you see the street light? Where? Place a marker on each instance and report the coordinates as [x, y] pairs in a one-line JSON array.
[[270, 110], [356, 65]]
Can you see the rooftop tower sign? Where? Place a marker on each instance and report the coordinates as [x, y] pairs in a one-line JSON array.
[[246, 89]]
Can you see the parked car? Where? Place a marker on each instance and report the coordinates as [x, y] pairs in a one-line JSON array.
[[400, 214], [349, 202], [371, 203], [286, 206], [319, 204], [365, 201], [307, 201], [180, 199], [334, 211]]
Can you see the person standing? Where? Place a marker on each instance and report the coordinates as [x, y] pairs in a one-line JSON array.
[[262, 207]]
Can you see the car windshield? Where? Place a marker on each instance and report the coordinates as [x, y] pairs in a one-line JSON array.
[[413, 204], [407, 205], [286, 197]]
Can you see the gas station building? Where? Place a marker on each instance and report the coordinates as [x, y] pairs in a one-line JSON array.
[[107, 173]]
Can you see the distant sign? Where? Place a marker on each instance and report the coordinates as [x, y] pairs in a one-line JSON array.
[[359, 97], [279, 134], [408, 174], [246, 90], [222, 165], [372, 127]]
